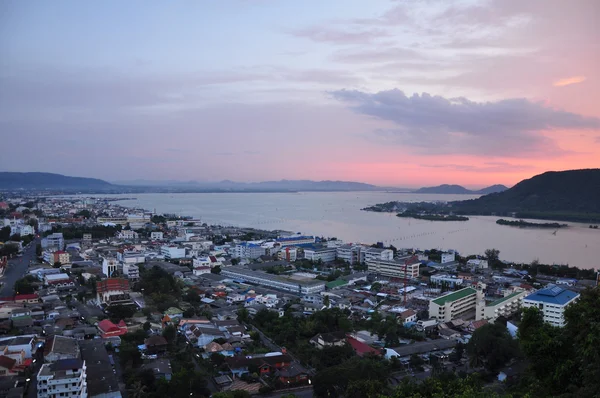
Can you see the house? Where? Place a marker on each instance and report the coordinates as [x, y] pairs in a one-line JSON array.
[[161, 368], [361, 348], [239, 364], [206, 335], [407, 316], [127, 234], [449, 334], [201, 270], [108, 329], [334, 339], [18, 344], [27, 298], [174, 312], [156, 235], [292, 374], [155, 345], [59, 347]]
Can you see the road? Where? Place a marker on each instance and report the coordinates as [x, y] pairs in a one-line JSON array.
[[17, 268]]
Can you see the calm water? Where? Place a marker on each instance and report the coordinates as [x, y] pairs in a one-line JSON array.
[[338, 214]]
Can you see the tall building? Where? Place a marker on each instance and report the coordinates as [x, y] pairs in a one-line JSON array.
[[63, 378], [505, 306], [54, 241], [552, 302], [455, 304], [109, 266]]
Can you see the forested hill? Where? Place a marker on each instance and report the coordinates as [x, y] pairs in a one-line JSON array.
[[563, 195], [10, 180], [460, 190]]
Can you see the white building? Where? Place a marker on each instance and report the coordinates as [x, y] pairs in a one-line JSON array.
[[109, 266], [448, 257], [477, 264], [505, 306], [248, 250], [54, 241], [26, 230], [157, 235], [375, 254], [63, 378], [552, 302], [208, 261], [131, 257], [201, 270], [127, 234], [324, 254], [405, 269], [172, 251], [137, 221], [351, 253], [455, 304], [131, 271]]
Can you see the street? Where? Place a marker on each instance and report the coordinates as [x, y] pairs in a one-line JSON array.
[[17, 267]]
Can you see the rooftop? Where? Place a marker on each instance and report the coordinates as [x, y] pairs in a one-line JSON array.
[[454, 296], [503, 299], [424, 347], [98, 364], [553, 295], [263, 275]]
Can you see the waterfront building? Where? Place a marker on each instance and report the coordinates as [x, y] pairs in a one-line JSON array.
[[552, 302]]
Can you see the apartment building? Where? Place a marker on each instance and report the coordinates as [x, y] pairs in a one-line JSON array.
[[395, 268], [54, 241], [248, 250], [552, 302], [131, 271], [63, 378], [455, 304], [505, 306], [376, 254], [351, 253]]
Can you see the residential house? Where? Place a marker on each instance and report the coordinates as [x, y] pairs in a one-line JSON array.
[[407, 316], [156, 345], [294, 374], [161, 368], [239, 364], [334, 339], [7, 366], [201, 270]]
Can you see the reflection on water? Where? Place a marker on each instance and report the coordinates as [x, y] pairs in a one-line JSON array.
[[338, 214]]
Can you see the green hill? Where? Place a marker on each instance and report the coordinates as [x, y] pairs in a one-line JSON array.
[[572, 195]]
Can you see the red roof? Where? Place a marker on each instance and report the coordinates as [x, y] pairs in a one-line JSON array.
[[213, 259], [32, 296], [112, 284], [361, 348], [7, 362]]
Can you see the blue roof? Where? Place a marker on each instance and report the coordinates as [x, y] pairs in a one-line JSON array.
[[553, 295]]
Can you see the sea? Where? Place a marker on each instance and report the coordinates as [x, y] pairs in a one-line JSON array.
[[339, 214]]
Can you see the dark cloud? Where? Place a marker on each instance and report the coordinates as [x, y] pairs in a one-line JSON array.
[[510, 127]]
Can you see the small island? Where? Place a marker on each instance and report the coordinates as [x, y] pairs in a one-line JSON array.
[[433, 217], [527, 224]]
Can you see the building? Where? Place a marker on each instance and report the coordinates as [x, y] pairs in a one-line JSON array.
[[289, 254], [552, 302], [172, 251], [104, 384], [448, 257], [131, 257], [127, 234], [334, 339], [455, 304], [407, 316], [63, 378], [131, 272], [137, 221], [376, 254], [201, 270], [350, 253], [477, 263], [26, 230], [295, 240], [62, 257], [323, 254], [60, 348], [108, 329], [505, 306], [248, 250], [157, 235], [109, 266], [301, 286], [397, 268], [54, 241], [445, 279], [87, 239], [58, 280], [113, 291]]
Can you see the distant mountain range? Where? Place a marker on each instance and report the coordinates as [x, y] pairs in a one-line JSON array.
[[571, 195], [459, 190], [13, 181]]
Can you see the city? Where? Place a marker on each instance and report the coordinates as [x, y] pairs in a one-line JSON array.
[[90, 287]]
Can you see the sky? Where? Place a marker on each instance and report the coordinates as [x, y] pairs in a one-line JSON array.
[[400, 93]]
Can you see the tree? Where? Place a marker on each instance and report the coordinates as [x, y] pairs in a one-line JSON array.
[[235, 261], [170, 333], [326, 301], [492, 254], [376, 287], [493, 346], [38, 250], [147, 326], [215, 270], [5, 233], [25, 285], [129, 355], [57, 264]]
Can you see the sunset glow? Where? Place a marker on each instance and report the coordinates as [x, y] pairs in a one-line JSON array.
[[393, 93]]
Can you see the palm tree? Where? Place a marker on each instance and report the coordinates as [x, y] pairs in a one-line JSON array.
[[137, 390]]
